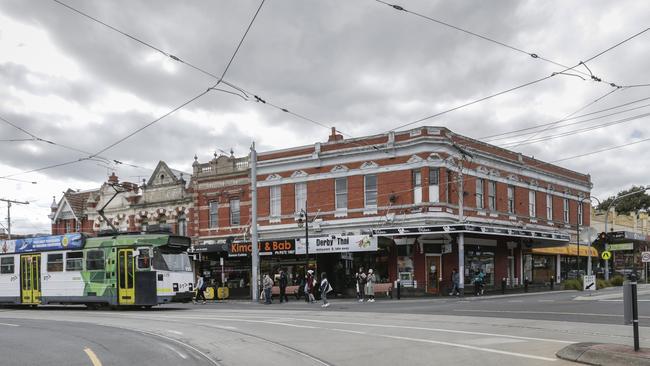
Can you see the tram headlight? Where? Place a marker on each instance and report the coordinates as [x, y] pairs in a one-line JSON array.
[[175, 287]]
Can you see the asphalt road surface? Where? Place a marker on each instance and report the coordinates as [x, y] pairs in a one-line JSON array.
[[510, 330]]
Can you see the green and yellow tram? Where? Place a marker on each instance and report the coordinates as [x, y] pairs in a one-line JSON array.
[[119, 270]]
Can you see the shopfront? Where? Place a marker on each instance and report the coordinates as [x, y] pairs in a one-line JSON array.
[[558, 263]]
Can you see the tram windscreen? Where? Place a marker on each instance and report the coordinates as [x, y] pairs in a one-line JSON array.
[[176, 262]]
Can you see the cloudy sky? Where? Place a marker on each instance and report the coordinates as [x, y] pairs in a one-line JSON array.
[[359, 65]]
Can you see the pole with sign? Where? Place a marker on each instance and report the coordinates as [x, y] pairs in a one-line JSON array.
[[645, 258], [589, 283]]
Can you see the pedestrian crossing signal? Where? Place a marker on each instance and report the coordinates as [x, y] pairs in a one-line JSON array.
[[602, 237]]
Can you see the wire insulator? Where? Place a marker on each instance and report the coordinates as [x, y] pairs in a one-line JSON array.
[[259, 99], [397, 7], [534, 55], [175, 58]]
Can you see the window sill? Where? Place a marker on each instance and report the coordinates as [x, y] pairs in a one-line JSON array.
[[533, 221], [494, 215], [370, 211], [274, 220], [481, 213], [513, 218], [341, 213]]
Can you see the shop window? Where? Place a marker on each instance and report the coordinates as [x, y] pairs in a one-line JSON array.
[[549, 207], [341, 188], [532, 207], [95, 260], [405, 268], [182, 225], [511, 199], [213, 206], [74, 261], [7, 265], [55, 262], [276, 202], [301, 197], [492, 196], [234, 212], [565, 210], [479, 193], [479, 259], [370, 190], [434, 185]]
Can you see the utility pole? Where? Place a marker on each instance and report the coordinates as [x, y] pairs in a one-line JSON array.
[[9, 202], [255, 261], [461, 219]]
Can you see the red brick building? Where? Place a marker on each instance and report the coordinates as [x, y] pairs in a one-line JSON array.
[[391, 202]]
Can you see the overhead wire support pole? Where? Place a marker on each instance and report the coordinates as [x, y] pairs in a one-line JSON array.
[[255, 252], [9, 202]]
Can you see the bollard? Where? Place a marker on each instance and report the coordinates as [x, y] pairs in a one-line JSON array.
[[526, 285], [399, 287], [552, 282], [635, 311], [503, 285]]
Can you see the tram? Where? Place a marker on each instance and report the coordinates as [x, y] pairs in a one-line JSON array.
[[144, 269]]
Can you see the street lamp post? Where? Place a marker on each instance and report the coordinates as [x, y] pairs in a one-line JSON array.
[[606, 219], [303, 213]]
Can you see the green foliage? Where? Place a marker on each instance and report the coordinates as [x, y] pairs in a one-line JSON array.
[[617, 280], [632, 203], [575, 284], [602, 283]]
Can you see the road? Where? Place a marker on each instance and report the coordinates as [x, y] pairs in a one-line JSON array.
[[510, 330]]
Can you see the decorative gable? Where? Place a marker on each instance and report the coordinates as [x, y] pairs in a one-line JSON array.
[[495, 173], [414, 159], [273, 177], [513, 177], [482, 169], [162, 175], [339, 168], [298, 174], [369, 165], [434, 157]]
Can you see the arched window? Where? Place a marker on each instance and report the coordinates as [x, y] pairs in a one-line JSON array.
[[182, 225]]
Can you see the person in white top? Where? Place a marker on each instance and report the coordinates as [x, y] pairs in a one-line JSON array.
[[370, 285]]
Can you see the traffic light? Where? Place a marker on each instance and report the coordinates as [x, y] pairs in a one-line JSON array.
[[600, 242], [602, 237]]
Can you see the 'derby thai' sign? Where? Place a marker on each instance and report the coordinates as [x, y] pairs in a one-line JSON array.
[[338, 244]]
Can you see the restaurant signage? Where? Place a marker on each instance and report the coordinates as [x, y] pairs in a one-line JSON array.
[[338, 244]]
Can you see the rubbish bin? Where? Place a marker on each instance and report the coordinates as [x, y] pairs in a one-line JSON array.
[[627, 302]]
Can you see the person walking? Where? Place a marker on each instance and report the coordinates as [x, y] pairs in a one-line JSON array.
[[283, 286], [370, 285], [267, 284], [309, 286], [200, 287], [325, 287], [455, 280], [361, 284]]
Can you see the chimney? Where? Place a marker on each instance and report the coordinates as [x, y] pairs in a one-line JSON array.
[[335, 136], [113, 179]]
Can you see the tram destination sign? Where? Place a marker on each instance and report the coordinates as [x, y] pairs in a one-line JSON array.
[[42, 243]]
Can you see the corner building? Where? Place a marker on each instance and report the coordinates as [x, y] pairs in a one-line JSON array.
[[391, 202]]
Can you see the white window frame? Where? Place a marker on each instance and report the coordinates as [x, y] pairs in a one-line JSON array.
[[213, 214], [549, 207], [434, 185], [492, 195], [232, 212], [275, 199], [480, 192], [182, 224], [416, 180], [565, 210], [532, 204], [580, 213], [370, 192], [341, 192], [300, 194]]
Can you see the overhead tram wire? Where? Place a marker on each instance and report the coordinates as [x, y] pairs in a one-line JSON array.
[[514, 48], [497, 136], [247, 95], [616, 87]]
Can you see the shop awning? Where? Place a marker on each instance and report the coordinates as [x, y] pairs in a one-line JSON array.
[[571, 249]]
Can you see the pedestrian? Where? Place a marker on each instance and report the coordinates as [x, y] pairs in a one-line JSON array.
[[477, 283], [370, 285], [455, 280], [267, 284], [200, 287], [481, 277], [309, 286], [325, 287], [283, 286], [361, 284]]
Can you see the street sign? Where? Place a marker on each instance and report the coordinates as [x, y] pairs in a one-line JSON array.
[[645, 257], [589, 283], [621, 246], [606, 255]]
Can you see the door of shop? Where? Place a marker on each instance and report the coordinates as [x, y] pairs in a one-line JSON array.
[[30, 278], [125, 277], [434, 268]]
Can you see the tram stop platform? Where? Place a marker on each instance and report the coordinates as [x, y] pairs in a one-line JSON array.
[[605, 354]]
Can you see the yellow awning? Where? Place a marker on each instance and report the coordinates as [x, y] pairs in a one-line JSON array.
[[570, 249]]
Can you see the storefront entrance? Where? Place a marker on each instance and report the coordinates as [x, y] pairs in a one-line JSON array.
[[434, 269]]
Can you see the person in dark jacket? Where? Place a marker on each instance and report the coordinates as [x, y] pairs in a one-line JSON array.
[[283, 286]]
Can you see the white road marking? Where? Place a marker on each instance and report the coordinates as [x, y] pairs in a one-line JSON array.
[[180, 354], [10, 325], [621, 300], [474, 348], [347, 331], [515, 300], [288, 325], [174, 332], [546, 300], [536, 312]]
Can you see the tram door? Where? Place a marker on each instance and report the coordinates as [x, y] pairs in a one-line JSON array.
[[30, 278], [126, 277]]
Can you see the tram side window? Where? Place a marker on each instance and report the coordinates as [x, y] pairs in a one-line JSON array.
[[55, 262], [95, 260], [144, 259], [74, 261], [7, 265]]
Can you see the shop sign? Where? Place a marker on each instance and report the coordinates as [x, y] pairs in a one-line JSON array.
[[266, 248], [42, 243], [338, 244], [622, 246]]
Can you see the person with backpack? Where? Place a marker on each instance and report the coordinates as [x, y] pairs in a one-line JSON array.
[[200, 287], [361, 284], [325, 287]]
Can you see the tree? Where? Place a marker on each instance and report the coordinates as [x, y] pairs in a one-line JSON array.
[[632, 203]]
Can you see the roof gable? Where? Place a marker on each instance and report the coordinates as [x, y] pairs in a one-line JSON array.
[[162, 176]]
